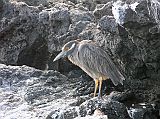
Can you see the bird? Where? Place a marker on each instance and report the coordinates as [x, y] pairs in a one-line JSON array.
[[93, 60]]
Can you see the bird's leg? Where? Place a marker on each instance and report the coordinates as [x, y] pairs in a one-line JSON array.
[[96, 87], [100, 87]]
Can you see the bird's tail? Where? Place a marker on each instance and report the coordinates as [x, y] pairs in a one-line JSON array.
[[116, 76]]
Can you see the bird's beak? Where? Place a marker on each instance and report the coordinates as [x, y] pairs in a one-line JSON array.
[[60, 55]]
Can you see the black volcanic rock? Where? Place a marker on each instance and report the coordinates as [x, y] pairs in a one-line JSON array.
[[51, 93], [34, 32], [94, 108], [112, 109]]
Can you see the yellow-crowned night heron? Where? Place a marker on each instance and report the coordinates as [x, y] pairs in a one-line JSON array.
[[93, 60]]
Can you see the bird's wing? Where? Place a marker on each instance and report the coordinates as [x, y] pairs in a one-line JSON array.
[[96, 59]]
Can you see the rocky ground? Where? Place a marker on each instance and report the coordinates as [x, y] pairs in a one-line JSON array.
[[34, 94], [32, 33]]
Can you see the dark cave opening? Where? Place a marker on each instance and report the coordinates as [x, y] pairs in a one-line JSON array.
[[35, 55]]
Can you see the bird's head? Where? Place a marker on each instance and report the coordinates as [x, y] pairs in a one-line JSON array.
[[67, 50]]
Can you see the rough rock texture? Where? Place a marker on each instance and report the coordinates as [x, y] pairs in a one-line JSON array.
[[113, 109], [19, 31], [138, 49], [103, 9], [104, 108], [33, 33], [28, 93]]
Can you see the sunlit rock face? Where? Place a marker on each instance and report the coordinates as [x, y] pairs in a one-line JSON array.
[[26, 92], [128, 31], [138, 44], [32, 33], [19, 31], [140, 37]]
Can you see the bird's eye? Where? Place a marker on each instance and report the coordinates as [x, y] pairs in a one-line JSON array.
[[66, 48]]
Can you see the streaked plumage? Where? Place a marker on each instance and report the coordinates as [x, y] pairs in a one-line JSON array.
[[94, 61]]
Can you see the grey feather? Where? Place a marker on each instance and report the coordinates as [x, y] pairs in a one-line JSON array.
[[93, 60], [92, 57]]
